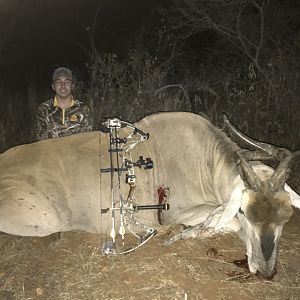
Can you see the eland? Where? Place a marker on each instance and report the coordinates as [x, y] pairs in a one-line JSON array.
[[212, 185]]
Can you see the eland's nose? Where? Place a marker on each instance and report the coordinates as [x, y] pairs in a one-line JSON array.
[[267, 274], [267, 245]]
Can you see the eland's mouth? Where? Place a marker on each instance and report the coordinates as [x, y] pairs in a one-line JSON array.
[[267, 277], [243, 263]]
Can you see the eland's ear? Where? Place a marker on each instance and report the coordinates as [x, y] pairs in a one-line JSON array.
[[295, 198], [231, 208]]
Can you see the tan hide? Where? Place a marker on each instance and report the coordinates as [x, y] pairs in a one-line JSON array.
[[56, 185]]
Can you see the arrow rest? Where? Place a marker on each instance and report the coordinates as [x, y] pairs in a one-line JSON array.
[[119, 150]]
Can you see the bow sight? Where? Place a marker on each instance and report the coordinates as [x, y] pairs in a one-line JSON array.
[[121, 161]]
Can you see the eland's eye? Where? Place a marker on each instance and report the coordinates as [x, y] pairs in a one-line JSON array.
[[241, 212]]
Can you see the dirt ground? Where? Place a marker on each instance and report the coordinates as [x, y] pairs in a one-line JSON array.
[[74, 268]]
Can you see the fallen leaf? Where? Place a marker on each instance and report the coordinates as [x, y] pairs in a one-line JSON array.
[[39, 291]]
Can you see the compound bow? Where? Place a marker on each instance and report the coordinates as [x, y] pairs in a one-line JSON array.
[[120, 149]]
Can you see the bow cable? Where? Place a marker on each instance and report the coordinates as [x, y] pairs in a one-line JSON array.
[[121, 148]]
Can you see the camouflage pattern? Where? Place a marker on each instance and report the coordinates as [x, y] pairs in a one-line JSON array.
[[53, 122]]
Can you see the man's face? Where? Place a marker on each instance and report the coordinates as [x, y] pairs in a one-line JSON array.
[[63, 87]]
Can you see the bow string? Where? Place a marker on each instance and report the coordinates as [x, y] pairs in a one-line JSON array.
[[125, 208]]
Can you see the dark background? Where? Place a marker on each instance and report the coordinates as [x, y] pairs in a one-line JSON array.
[[135, 57], [38, 36]]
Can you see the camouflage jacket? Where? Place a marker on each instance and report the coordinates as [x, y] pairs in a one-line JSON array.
[[53, 122]]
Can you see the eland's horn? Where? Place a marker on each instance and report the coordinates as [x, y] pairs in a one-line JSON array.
[[249, 177], [258, 145], [284, 156], [284, 168]]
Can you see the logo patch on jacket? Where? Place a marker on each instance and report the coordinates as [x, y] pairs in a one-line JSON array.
[[73, 118]]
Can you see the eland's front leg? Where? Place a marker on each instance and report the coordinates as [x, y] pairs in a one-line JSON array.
[[206, 228]]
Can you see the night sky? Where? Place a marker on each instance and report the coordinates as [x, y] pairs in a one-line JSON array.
[[38, 36]]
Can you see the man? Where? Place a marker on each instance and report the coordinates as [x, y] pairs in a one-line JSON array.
[[62, 115]]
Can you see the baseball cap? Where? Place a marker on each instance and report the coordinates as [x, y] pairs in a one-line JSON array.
[[62, 71]]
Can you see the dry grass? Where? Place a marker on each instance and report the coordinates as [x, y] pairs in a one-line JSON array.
[[73, 268]]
